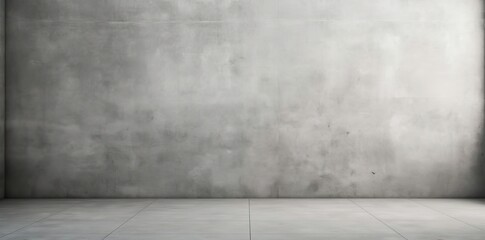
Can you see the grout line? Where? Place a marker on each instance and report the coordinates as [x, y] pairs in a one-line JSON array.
[[149, 204], [42, 219], [438, 211], [249, 209], [378, 219]]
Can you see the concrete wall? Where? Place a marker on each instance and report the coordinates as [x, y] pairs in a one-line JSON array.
[[233, 98], [2, 99]]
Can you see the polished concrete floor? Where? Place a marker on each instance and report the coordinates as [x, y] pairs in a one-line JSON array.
[[258, 219]]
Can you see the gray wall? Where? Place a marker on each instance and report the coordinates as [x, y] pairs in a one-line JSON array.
[[233, 98], [2, 99]]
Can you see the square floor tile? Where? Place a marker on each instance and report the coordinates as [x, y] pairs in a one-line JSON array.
[[181, 236], [143, 226], [73, 226], [328, 227], [450, 226], [329, 236], [7, 226], [37, 236]]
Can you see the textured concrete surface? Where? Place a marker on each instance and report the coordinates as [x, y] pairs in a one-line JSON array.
[[2, 98], [234, 98], [243, 219]]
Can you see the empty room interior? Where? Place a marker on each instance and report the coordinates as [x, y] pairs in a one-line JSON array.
[[242, 120]]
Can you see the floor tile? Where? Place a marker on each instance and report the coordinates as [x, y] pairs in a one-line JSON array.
[[385, 202], [321, 204], [313, 209], [37, 236], [142, 226], [7, 226], [470, 211], [196, 210], [102, 210], [292, 214], [333, 227], [31, 210], [400, 209], [423, 214], [73, 226], [443, 204], [199, 202], [450, 226], [326, 236], [446, 236], [182, 236]]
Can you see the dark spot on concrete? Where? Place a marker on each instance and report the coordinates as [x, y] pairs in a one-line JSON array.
[[373, 173], [314, 186], [176, 136], [235, 65], [96, 137], [112, 111], [334, 142], [324, 152], [143, 138], [144, 116], [326, 177], [348, 133], [116, 158], [107, 84], [161, 158]]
